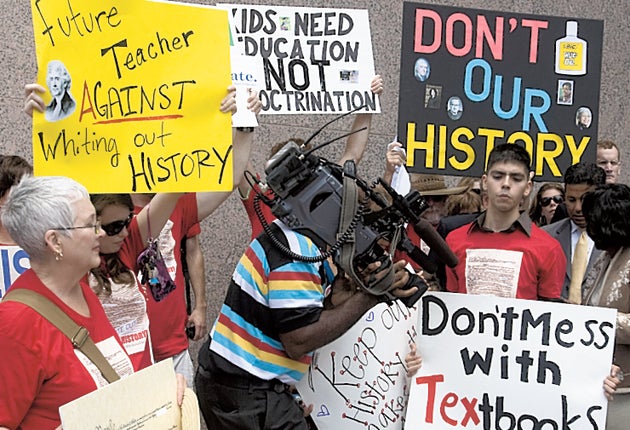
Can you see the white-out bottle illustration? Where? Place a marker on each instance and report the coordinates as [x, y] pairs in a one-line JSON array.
[[571, 52]]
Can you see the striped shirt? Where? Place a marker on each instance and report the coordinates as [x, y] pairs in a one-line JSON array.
[[269, 294]]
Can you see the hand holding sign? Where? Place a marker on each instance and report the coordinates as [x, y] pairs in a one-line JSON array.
[[612, 380], [33, 99], [413, 360], [228, 104]]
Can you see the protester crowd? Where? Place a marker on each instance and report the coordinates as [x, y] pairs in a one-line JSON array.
[[84, 257]]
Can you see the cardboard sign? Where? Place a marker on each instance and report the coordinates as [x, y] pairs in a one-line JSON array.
[[496, 363], [306, 60], [471, 79], [133, 96], [360, 380], [146, 399]]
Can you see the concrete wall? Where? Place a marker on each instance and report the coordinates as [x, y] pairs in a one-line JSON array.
[[226, 233]]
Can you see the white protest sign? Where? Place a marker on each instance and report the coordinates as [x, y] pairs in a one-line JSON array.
[[244, 78], [13, 262], [360, 380], [310, 60], [508, 364]]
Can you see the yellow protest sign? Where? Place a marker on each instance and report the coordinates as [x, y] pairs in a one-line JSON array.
[[133, 96]]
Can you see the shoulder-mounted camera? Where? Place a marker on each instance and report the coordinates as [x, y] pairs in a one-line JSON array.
[[355, 223]]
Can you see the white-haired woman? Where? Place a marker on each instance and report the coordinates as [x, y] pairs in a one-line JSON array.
[[53, 219]]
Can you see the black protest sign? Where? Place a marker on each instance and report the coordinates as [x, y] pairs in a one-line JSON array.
[[471, 79]]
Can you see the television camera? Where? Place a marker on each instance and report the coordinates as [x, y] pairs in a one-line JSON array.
[[348, 219]]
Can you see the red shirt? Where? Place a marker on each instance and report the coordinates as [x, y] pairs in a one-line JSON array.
[[40, 370], [255, 223], [537, 264]]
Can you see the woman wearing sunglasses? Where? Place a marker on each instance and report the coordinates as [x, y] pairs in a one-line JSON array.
[[549, 196], [125, 236], [114, 280]]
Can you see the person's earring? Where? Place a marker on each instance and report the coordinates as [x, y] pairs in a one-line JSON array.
[[59, 255]]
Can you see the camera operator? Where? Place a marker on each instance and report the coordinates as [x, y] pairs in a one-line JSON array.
[[272, 320]]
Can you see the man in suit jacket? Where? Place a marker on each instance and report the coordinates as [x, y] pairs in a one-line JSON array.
[[579, 179]]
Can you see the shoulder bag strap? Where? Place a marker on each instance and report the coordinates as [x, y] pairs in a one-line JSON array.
[[349, 207], [78, 335]]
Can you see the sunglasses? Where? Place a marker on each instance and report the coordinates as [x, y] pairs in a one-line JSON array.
[[113, 228], [546, 201]]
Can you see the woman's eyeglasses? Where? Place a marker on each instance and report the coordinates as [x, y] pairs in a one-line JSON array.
[[546, 201], [96, 227], [115, 227]]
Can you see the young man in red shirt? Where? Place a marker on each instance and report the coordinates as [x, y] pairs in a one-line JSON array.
[[502, 252]]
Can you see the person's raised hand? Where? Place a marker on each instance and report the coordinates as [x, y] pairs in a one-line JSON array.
[[401, 278], [253, 101], [395, 156], [373, 273], [377, 86], [228, 104], [413, 360], [33, 100]]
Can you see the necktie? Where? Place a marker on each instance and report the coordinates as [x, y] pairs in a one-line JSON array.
[[578, 267]]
